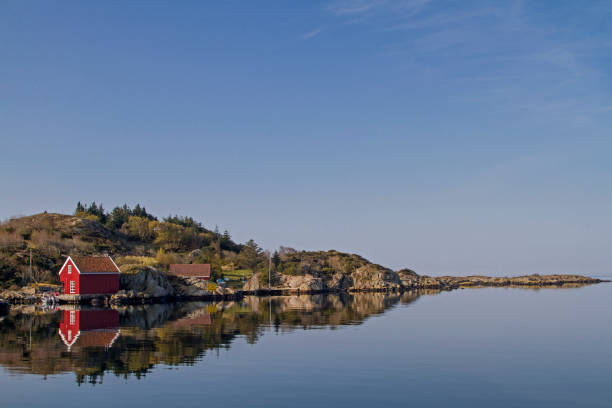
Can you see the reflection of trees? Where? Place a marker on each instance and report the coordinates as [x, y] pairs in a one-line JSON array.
[[178, 334]]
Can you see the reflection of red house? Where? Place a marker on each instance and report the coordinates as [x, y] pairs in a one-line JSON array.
[[89, 328], [89, 275], [198, 271]]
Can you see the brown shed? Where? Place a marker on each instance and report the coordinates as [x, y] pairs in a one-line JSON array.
[[198, 271]]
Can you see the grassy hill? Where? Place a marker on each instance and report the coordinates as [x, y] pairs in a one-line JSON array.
[[135, 238], [50, 237], [130, 239]]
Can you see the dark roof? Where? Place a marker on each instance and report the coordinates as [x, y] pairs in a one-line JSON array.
[[190, 270], [95, 264]]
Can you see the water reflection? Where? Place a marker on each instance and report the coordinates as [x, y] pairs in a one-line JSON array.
[[131, 341], [89, 328]]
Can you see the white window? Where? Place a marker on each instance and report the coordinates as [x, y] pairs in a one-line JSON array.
[[71, 286], [69, 268], [72, 319]]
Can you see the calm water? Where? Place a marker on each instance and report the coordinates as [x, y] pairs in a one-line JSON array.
[[472, 348]]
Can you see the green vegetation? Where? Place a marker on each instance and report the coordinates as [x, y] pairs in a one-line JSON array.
[[238, 274], [236, 277], [292, 262]]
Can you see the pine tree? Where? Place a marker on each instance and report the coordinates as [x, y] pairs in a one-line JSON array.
[[93, 208], [276, 259]]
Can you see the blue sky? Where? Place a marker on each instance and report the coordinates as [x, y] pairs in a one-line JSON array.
[[448, 136]]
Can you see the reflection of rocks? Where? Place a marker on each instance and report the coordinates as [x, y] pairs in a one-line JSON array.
[[409, 296], [145, 317], [4, 307], [179, 333], [171, 334]]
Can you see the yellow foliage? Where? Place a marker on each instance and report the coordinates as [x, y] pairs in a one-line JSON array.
[[165, 258], [141, 227], [136, 260]]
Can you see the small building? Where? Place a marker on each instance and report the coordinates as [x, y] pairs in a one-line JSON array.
[[90, 275], [197, 271], [89, 328]]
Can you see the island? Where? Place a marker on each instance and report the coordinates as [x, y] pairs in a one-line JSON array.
[[34, 248]]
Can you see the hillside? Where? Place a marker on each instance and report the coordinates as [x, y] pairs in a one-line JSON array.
[[50, 237], [127, 238]]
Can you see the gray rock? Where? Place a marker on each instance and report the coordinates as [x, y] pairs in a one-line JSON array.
[[375, 277], [253, 283], [340, 282], [189, 287], [148, 281], [305, 283]]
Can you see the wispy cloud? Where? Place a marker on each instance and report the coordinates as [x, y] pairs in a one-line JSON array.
[[445, 19], [507, 55], [312, 34], [352, 7], [373, 7]]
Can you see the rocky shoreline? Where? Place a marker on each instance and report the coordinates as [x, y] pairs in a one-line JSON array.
[[153, 286]]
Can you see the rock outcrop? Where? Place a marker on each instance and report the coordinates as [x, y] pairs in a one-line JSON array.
[[145, 285], [340, 282], [149, 281], [304, 283], [374, 278], [189, 287], [252, 284], [22, 296]]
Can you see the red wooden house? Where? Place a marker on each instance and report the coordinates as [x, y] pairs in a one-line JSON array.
[[90, 275], [198, 271], [89, 328]]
